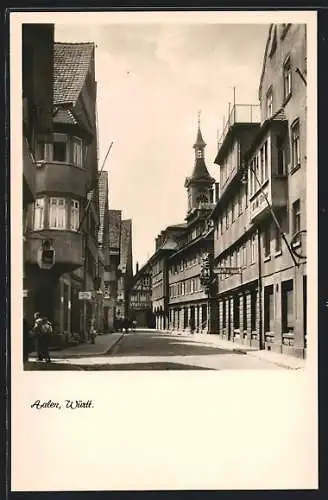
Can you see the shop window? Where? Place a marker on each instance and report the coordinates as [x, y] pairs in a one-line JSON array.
[[268, 309], [287, 306]]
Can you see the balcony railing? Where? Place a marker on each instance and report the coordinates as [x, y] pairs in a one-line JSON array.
[[241, 113]]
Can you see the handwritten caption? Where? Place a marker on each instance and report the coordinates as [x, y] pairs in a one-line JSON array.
[[68, 404]]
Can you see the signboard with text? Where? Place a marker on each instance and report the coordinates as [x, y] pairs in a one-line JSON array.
[[85, 295]]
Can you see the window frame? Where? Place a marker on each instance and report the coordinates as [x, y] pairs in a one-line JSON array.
[[75, 210], [42, 218], [57, 198], [295, 127], [287, 65]]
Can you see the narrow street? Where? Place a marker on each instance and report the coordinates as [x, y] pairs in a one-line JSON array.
[[154, 350]]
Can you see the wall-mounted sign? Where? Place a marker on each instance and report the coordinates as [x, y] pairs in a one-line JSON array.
[[85, 295], [227, 270]]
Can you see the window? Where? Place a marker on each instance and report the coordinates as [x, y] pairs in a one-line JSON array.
[[253, 249], [281, 159], [236, 312], [287, 306], [269, 103], [296, 216], [75, 215], [266, 164], [267, 241], [287, 75], [295, 133], [77, 152], [277, 239], [57, 213], [199, 153], [39, 214], [268, 309]]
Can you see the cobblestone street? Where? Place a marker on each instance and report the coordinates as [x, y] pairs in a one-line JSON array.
[[155, 350]]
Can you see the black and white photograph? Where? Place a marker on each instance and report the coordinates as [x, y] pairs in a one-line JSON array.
[[167, 169], [164, 196]]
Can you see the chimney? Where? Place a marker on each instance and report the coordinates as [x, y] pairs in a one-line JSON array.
[[137, 267]]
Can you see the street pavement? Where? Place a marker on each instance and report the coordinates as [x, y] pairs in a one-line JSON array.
[[154, 350]]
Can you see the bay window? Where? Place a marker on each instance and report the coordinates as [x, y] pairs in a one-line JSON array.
[[75, 215], [38, 214], [57, 213]]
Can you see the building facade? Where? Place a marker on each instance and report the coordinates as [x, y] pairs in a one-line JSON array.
[[37, 86], [260, 216], [125, 270], [63, 222], [181, 298], [192, 305], [140, 305]]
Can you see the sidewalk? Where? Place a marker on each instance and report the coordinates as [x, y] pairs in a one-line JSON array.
[[282, 360], [103, 344]]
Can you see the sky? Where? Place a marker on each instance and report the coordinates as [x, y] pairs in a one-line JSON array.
[[152, 81]]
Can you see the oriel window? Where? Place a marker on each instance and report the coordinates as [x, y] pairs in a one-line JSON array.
[[38, 214], [77, 152], [75, 215], [57, 213]]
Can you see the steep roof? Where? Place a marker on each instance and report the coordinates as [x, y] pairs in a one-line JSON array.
[[114, 228], [71, 65], [103, 198], [200, 171], [199, 140]]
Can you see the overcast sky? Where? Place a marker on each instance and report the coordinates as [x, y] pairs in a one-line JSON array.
[[152, 80]]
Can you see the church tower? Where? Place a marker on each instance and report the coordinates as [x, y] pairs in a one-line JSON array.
[[200, 184]]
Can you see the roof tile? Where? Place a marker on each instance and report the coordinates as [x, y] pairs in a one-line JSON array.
[[71, 65]]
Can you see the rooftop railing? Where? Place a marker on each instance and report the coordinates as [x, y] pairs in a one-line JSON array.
[[241, 113]]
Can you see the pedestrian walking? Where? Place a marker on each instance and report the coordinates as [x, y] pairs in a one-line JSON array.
[[134, 325], [42, 331]]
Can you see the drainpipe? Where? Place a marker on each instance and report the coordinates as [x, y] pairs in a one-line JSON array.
[[259, 281]]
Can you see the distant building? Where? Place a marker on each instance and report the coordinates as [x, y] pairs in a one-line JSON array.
[[191, 304], [262, 161], [125, 269], [112, 262], [61, 256], [140, 306], [103, 254], [181, 299]]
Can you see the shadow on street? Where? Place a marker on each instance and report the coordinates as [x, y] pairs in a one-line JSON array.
[[139, 344], [106, 367]]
